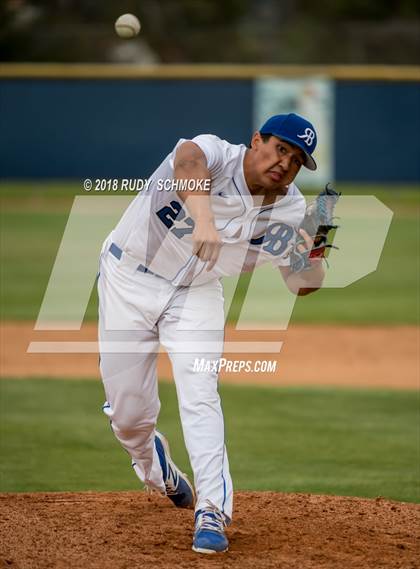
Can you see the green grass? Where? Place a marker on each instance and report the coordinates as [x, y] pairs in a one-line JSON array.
[[54, 437], [33, 218]]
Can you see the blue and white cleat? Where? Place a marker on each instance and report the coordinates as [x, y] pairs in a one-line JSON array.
[[178, 488], [209, 535]]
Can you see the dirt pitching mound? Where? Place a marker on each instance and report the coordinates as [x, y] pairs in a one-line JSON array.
[[119, 530]]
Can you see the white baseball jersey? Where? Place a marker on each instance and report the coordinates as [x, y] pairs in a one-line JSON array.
[[138, 311], [157, 229]]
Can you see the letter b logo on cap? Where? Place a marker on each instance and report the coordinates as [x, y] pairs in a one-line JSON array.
[[308, 136]]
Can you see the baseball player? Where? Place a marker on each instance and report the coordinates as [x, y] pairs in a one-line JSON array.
[[211, 209]]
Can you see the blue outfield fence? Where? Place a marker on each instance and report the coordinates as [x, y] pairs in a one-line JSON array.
[[75, 122], [377, 131], [106, 128]]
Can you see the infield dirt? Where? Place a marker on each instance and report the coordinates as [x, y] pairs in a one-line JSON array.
[[270, 530], [352, 356]]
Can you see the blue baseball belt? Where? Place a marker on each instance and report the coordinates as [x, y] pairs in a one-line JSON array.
[[117, 252]]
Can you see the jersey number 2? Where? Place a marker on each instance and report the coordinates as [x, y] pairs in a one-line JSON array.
[[168, 215]]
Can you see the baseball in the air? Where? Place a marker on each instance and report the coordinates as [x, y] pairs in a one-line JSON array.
[[127, 26]]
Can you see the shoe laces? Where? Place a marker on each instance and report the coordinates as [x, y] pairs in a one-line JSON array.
[[170, 490], [211, 518], [172, 480]]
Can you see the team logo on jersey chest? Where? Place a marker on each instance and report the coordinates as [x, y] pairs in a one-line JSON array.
[[275, 239]]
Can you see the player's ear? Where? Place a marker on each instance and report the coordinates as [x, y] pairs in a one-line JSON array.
[[255, 140]]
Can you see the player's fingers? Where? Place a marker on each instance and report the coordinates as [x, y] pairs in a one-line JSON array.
[[204, 253], [308, 240], [209, 247], [196, 247], [214, 257]]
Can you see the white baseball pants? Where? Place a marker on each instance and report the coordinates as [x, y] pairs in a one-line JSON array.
[[137, 311]]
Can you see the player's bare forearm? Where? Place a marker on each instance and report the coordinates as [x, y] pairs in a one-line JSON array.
[[198, 204], [310, 280], [191, 164], [305, 282]]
